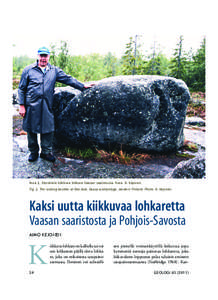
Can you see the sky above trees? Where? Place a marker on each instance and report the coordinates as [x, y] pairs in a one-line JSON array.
[[102, 44], [93, 27]]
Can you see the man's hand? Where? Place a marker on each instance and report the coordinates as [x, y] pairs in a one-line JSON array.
[[22, 110], [87, 86]]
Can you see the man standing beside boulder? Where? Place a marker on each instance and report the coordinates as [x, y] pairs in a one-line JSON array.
[[35, 95]]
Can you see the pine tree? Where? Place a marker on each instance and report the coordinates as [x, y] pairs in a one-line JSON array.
[[128, 59], [199, 68], [53, 54], [177, 65], [132, 61], [157, 63], [110, 62], [63, 56]]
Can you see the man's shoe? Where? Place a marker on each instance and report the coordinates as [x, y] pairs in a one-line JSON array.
[[49, 157], [33, 157]]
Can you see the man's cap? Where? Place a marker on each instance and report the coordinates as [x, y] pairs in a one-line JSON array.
[[43, 50]]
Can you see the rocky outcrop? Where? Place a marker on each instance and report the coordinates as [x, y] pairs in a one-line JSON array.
[[195, 121], [193, 168], [145, 112]]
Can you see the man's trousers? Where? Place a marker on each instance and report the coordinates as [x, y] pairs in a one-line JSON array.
[[46, 142]]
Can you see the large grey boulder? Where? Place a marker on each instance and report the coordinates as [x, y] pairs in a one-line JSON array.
[[145, 112]]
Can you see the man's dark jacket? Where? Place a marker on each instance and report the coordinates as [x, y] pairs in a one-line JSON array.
[[36, 91]]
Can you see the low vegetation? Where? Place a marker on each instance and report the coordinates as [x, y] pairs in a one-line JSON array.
[[120, 156]]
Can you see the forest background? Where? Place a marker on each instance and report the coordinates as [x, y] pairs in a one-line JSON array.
[[189, 66]]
